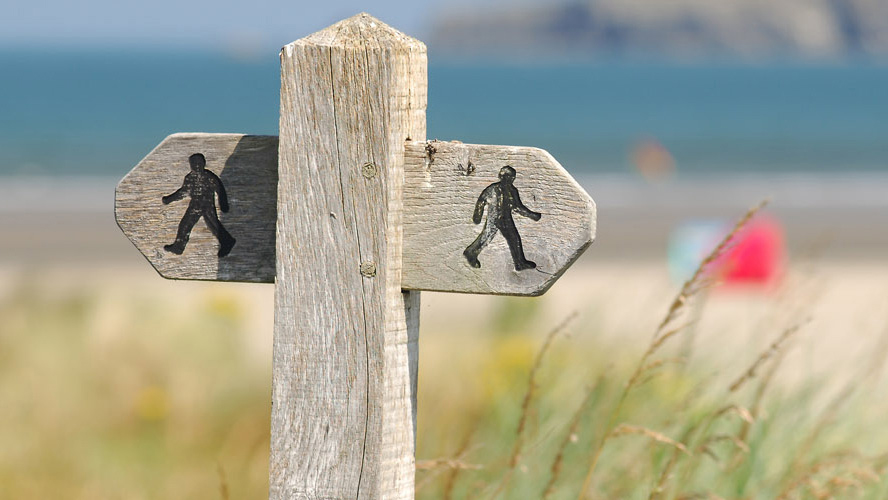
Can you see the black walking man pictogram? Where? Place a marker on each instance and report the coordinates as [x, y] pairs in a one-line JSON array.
[[202, 186], [501, 199]]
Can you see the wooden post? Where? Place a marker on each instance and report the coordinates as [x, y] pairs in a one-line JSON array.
[[367, 214], [345, 338]]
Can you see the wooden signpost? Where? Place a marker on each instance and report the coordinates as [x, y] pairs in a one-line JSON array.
[[351, 212]]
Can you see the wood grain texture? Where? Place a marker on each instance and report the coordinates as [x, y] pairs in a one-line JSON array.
[[247, 167], [443, 181], [441, 191], [344, 380]]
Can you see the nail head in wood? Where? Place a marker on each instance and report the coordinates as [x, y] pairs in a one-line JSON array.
[[368, 269], [369, 170]]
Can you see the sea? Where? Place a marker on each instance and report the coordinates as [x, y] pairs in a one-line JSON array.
[[657, 144], [96, 113]]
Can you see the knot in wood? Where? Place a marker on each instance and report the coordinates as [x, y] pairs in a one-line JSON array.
[[369, 170], [368, 269]]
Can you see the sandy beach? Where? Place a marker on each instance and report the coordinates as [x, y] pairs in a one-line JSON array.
[[63, 235], [825, 216]]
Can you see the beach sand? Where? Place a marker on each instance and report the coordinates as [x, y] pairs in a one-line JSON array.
[[837, 277]]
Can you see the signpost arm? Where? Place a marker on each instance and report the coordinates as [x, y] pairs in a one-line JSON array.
[[345, 355]]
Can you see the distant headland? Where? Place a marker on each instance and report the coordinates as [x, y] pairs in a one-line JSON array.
[[682, 28]]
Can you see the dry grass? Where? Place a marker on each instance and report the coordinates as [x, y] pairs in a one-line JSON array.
[[526, 403], [569, 437], [668, 328]]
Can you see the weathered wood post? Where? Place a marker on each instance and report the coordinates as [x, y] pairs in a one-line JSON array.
[[345, 339], [366, 214]]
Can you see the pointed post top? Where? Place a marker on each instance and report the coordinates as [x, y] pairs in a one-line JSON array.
[[360, 30]]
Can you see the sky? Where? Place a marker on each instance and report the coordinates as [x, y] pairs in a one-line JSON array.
[[198, 24]]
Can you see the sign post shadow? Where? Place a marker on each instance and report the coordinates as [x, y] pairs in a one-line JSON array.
[[244, 183]]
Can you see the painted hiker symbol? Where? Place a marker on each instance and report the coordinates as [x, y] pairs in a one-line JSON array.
[[501, 199], [202, 186]]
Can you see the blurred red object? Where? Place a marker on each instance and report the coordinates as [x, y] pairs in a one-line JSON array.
[[757, 254]]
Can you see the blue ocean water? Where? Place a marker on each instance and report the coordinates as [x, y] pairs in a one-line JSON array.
[[99, 113]]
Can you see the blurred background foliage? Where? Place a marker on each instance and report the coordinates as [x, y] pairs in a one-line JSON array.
[[114, 392], [127, 396]]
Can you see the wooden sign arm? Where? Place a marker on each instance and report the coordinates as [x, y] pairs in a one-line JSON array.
[[445, 195]]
